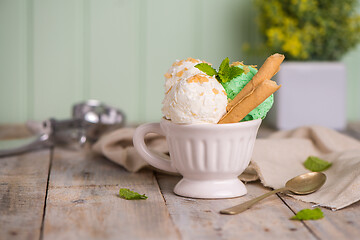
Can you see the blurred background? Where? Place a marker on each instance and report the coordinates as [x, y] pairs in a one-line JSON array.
[[54, 53]]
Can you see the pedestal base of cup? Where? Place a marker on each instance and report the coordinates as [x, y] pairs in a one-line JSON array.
[[228, 188]]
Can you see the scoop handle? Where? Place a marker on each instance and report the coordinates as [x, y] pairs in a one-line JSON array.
[[246, 205], [156, 160]]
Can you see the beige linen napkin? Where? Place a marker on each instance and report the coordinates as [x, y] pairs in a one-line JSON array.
[[275, 160], [281, 157], [118, 147]]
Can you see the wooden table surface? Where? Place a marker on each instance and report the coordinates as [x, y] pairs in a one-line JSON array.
[[66, 194]]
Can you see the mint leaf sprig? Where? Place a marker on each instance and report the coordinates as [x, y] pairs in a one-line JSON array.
[[130, 195], [225, 73], [308, 214], [316, 164]]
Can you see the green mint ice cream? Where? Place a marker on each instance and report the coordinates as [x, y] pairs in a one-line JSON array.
[[234, 86]]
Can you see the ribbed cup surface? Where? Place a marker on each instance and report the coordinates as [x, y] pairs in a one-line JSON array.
[[222, 151]]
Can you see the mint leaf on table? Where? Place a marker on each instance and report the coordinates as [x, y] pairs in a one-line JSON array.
[[206, 68], [316, 164], [308, 214], [130, 195]]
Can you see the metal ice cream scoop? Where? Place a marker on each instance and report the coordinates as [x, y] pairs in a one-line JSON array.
[[89, 121]]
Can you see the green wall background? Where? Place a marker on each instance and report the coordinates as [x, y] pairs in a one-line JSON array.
[[54, 53]]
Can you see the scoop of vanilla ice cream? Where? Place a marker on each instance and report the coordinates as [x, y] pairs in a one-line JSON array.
[[181, 70], [197, 99]]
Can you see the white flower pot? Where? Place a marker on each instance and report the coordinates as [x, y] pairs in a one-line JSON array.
[[312, 93]]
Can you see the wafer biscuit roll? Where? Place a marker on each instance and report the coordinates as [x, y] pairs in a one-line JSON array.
[[270, 67], [248, 103]]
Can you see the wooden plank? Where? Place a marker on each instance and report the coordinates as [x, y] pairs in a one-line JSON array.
[[172, 32], [341, 224], [83, 203], [23, 181], [113, 54], [57, 60], [353, 85], [200, 219], [13, 65], [225, 27]]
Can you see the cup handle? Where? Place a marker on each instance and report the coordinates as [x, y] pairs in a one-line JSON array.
[[160, 162]]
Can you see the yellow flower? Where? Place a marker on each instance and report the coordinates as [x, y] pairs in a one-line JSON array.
[[307, 29], [293, 46], [276, 36]]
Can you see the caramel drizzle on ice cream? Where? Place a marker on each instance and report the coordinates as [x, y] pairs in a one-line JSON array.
[[237, 64], [192, 60], [215, 91], [167, 75], [198, 78], [169, 90], [242, 64], [177, 63], [180, 73]]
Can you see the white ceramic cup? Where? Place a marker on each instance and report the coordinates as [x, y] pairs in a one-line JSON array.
[[210, 157]]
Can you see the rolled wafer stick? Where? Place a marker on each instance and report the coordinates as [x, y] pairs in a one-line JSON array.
[[248, 103], [270, 67]]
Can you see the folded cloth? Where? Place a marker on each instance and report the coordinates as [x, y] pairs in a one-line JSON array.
[[281, 156], [118, 147], [275, 160]]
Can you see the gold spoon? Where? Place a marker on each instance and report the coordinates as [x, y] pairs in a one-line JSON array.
[[302, 184]]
